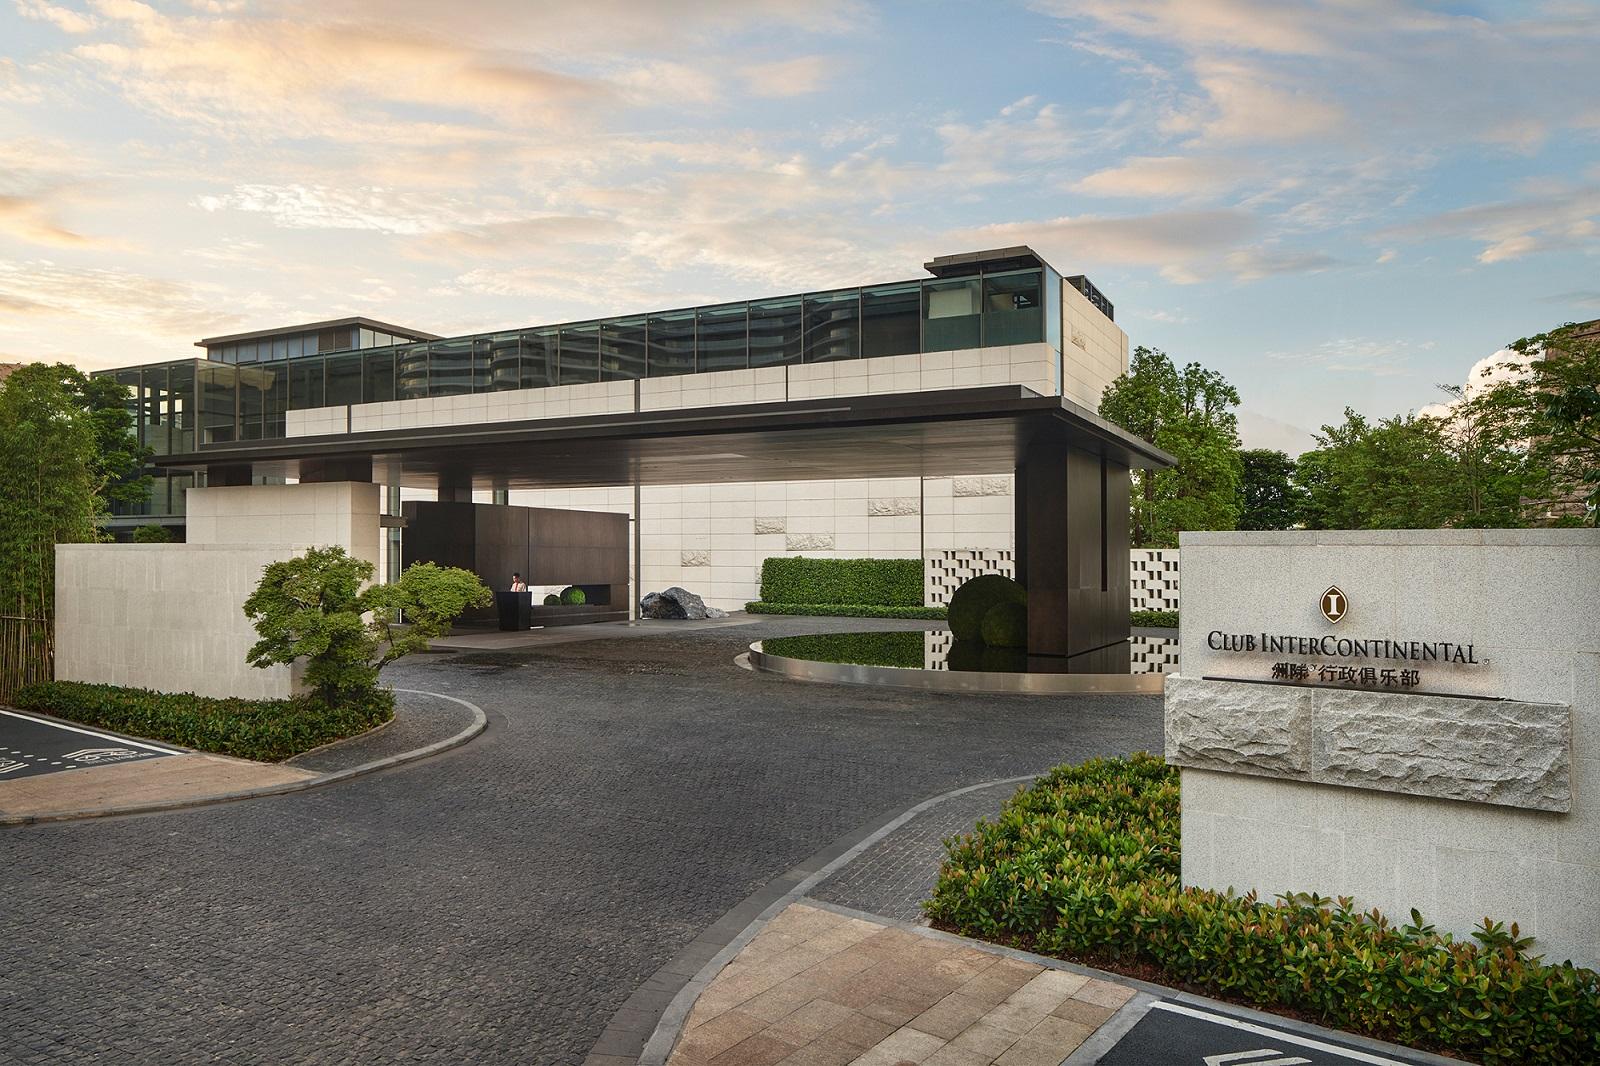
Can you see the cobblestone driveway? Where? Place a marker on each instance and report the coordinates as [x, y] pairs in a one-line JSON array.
[[495, 904]]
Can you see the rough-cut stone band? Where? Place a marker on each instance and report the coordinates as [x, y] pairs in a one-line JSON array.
[[1505, 752]]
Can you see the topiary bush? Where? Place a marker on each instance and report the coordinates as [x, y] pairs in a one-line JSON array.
[[552, 600], [1085, 865], [573, 596], [1005, 625], [1154, 619], [152, 535], [975, 597], [879, 582]]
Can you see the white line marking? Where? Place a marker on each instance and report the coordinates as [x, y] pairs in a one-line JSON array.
[[1278, 1034], [1253, 1058], [90, 732]]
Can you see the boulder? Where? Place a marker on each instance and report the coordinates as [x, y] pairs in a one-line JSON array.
[[676, 602]]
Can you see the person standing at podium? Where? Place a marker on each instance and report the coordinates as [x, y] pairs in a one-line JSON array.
[[517, 584]]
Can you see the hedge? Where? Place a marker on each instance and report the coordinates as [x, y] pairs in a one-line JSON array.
[[1156, 619], [903, 649], [873, 582], [1085, 865], [264, 730], [845, 610]]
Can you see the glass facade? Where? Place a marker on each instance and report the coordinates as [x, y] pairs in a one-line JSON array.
[[244, 391]]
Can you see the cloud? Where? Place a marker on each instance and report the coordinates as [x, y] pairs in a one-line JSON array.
[[1587, 298], [382, 210], [1357, 355], [1169, 177], [28, 219], [117, 301], [63, 18], [1260, 431], [789, 77], [1178, 243], [1512, 229], [1249, 264]]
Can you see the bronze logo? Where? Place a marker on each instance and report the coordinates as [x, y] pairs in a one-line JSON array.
[[1334, 603]]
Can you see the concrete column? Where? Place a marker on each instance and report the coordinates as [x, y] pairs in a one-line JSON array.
[[319, 471], [455, 487]]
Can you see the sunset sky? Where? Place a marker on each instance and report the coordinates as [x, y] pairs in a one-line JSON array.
[[1337, 203]]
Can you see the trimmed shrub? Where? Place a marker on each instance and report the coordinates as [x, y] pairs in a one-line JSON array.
[[552, 600], [1156, 619], [902, 649], [152, 535], [264, 730], [1084, 865], [1005, 625], [975, 597], [874, 582], [573, 596], [845, 610]]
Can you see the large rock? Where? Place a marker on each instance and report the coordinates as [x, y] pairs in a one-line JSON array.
[[676, 602], [1249, 729]]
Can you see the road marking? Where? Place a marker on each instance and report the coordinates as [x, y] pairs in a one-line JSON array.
[[1278, 1034], [1254, 1058], [91, 733]]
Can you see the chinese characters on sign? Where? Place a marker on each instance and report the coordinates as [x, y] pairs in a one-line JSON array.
[[1369, 676]]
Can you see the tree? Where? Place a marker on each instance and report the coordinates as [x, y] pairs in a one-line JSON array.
[[1188, 413], [49, 483], [152, 535], [1268, 496], [311, 607], [119, 460]]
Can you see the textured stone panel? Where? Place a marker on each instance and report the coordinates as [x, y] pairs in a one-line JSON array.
[[894, 505], [1486, 751], [699, 557], [809, 542], [1252, 729], [780, 524], [981, 486]]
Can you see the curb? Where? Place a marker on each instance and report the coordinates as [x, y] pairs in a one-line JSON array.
[[646, 1027], [479, 722]]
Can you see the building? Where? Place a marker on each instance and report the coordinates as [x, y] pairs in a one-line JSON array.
[[621, 414]]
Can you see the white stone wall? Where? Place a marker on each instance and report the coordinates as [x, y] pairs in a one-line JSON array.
[[339, 512], [167, 617], [1525, 599], [1153, 579], [1094, 349]]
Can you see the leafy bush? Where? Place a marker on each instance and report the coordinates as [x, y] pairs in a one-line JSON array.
[[311, 607], [874, 582], [844, 610], [972, 601], [573, 596], [265, 730], [1157, 619], [1005, 625], [903, 649], [1085, 865], [552, 600], [152, 535]]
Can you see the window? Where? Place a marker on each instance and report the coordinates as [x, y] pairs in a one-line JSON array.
[[253, 384], [891, 320], [377, 375], [1013, 312], [951, 314], [411, 372], [481, 355], [275, 398], [832, 325], [672, 344], [505, 362], [344, 380], [368, 339], [305, 384], [450, 368], [247, 352], [723, 338], [622, 349], [539, 359], [776, 332], [219, 386], [580, 354], [154, 406]]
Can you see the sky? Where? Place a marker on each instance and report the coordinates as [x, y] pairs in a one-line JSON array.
[[1338, 203]]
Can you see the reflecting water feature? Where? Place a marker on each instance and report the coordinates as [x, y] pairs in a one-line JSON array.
[[937, 649]]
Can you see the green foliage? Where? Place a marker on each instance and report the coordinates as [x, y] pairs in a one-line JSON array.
[[552, 599], [152, 535], [265, 730], [1085, 865], [120, 459], [843, 610], [1188, 413], [973, 600], [573, 596], [903, 649], [1005, 625], [1155, 619], [1268, 496], [311, 607], [48, 483], [884, 582]]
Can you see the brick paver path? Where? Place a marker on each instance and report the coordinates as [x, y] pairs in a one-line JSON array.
[[816, 988]]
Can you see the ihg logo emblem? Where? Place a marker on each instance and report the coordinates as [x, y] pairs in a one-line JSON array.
[[1334, 604]]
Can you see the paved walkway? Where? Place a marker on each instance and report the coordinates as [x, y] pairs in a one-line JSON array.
[[817, 988], [500, 902]]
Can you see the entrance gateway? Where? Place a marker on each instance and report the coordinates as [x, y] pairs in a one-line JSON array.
[[1408, 717]]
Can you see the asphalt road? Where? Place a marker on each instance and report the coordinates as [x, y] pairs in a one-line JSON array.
[[497, 903], [30, 746]]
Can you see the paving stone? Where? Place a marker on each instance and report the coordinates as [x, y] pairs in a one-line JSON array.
[[1104, 994], [901, 1046], [499, 903]]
